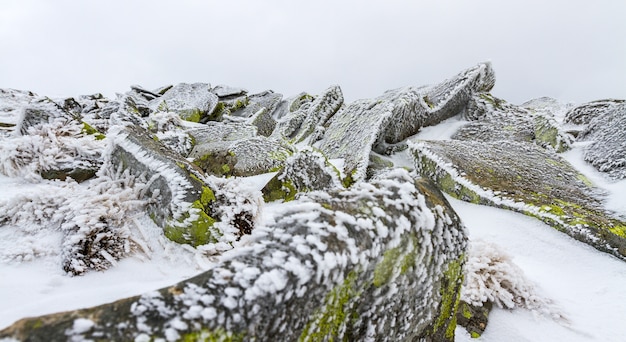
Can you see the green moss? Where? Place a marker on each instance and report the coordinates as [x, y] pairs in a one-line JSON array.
[[450, 298], [217, 335], [336, 313], [584, 179], [217, 113], [88, 129], [192, 115], [279, 190], [465, 311], [199, 231], [619, 231], [385, 269], [474, 334], [349, 179], [552, 209]]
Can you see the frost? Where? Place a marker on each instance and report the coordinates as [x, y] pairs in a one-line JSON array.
[[491, 276]]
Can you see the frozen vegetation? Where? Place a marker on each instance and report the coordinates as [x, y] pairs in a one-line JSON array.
[[199, 212]]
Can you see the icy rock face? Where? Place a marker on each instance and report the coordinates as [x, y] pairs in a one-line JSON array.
[[303, 172], [180, 200], [11, 102], [308, 119], [606, 128], [244, 157], [524, 178], [193, 102], [384, 122], [342, 265], [494, 119]]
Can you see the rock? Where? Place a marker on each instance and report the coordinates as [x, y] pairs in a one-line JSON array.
[[583, 114], [380, 261], [473, 318], [180, 200], [302, 172], [224, 91], [309, 118], [494, 119], [245, 157], [11, 103], [607, 132], [193, 102], [389, 119], [52, 143], [524, 178]]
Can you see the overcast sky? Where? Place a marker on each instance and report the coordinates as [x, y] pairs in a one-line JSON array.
[[572, 50]]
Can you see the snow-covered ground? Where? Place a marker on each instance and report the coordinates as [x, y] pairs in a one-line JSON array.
[[587, 286]]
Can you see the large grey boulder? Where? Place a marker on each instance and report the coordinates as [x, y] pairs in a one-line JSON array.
[[193, 102], [11, 103], [381, 124], [524, 178], [606, 129], [381, 261], [493, 119]]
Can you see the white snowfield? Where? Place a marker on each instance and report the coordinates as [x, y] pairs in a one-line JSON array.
[[584, 286]]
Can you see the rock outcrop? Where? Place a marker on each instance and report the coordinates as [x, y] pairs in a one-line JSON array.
[[381, 261]]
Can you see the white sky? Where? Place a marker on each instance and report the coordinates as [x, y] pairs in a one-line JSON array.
[[573, 50]]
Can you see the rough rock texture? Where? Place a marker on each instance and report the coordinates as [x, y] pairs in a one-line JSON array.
[[303, 172], [494, 119], [193, 102], [524, 178], [473, 318], [245, 157], [381, 261], [607, 130], [583, 114], [180, 200], [11, 102], [389, 119]]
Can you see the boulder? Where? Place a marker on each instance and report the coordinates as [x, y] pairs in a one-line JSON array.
[[583, 114], [302, 172], [524, 178], [307, 121], [493, 119], [607, 133], [193, 102], [380, 261], [179, 198], [386, 121], [11, 103]]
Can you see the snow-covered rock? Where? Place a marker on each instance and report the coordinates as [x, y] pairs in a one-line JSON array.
[[380, 261]]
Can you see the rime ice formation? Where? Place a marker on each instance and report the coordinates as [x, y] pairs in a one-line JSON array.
[[604, 125], [380, 261], [314, 226]]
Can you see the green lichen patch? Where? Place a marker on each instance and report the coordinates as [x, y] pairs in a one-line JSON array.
[[396, 261], [218, 163], [191, 115], [450, 291], [473, 318], [336, 315], [276, 190], [88, 129]]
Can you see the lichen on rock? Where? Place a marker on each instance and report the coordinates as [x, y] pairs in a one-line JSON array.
[[306, 274]]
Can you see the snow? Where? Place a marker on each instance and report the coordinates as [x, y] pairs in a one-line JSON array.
[[582, 284]]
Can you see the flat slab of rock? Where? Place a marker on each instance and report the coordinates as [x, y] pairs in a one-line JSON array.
[[525, 178]]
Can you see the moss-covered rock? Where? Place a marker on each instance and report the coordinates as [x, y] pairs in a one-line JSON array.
[[245, 157], [493, 119], [302, 172], [473, 318], [524, 178], [368, 263], [193, 102], [179, 197]]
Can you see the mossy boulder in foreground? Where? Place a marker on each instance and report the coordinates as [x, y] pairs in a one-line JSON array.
[[380, 261]]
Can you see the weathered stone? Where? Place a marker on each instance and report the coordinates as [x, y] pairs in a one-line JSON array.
[[524, 178], [11, 103], [302, 172], [389, 119], [494, 119], [473, 318], [224, 91], [326, 267], [607, 132], [245, 157], [180, 199], [309, 118], [583, 114], [193, 102]]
